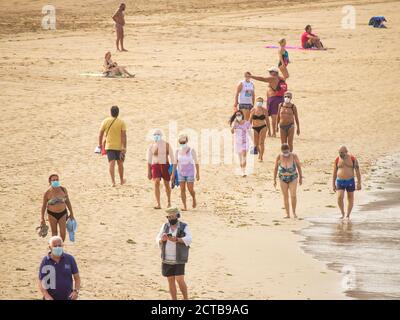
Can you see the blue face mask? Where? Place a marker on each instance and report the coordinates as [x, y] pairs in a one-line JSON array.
[[157, 137], [183, 145], [55, 184], [57, 251]]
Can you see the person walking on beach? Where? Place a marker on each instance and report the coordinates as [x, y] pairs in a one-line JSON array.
[[310, 40], [58, 272], [112, 139], [283, 59], [287, 115], [287, 165], [119, 19], [244, 96], [343, 179], [241, 128], [260, 124], [276, 89], [159, 157], [188, 166], [174, 240], [56, 201]]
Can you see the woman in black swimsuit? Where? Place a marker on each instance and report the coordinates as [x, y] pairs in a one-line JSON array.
[[287, 116], [260, 123], [56, 201]]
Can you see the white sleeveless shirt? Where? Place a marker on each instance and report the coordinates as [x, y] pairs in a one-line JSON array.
[[247, 92]]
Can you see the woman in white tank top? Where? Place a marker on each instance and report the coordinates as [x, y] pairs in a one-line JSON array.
[[188, 168], [244, 96]]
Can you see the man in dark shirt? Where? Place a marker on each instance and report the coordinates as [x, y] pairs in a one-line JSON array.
[[57, 273]]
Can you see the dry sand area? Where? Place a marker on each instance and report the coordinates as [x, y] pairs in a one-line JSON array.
[[188, 57]]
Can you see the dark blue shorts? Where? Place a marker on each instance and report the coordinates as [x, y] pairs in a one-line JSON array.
[[113, 155], [346, 184]]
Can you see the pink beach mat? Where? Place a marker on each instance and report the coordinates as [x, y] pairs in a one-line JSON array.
[[288, 47]]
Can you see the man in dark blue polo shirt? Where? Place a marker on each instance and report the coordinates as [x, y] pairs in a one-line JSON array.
[[57, 273]]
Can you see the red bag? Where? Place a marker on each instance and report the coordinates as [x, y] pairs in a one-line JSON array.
[[103, 149]]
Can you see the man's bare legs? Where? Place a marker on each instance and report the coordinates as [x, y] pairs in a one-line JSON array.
[[350, 203], [157, 192], [190, 186], [274, 125], [172, 287], [168, 192], [340, 201], [182, 286], [111, 169], [246, 114], [121, 171]]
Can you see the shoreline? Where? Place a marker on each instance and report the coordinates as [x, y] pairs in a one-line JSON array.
[[379, 207]]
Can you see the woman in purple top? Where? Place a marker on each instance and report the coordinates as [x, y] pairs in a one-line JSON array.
[[241, 128], [188, 166]]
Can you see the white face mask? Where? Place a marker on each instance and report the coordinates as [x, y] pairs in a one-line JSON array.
[[286, 153], [259, 104], [287, 99], [239, 118]]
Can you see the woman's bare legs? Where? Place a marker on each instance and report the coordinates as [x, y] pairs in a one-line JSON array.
[[54, 224], [257, 142], [293, 196], [262, 136], [183, 195], [285, 193], [290, 138], [284, 71], [190, 186]]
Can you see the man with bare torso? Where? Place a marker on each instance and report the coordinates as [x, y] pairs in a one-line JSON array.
[[276, 89], [119, 20], [343, 179]]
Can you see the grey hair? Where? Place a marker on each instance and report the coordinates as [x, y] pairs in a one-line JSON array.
[[53, 238]]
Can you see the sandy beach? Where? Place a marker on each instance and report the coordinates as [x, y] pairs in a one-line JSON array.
[[188, 57]]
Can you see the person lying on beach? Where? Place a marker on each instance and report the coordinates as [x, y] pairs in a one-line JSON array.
[[244, 96], [112, 69], [287, 115], [119, 19], [310, 40], [283, 59], [188, 167], [276, 89], [56, 201], [343, 179], [159, 157], [260, 124], [287, 165], [241, 128]]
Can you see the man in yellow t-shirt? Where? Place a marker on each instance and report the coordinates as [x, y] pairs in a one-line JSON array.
[[113, 133]]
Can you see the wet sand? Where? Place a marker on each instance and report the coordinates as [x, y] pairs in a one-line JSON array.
[[364, 250]]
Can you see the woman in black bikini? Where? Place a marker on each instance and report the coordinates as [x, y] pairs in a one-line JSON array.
[[287, 115], [56, 201], [260, 124]]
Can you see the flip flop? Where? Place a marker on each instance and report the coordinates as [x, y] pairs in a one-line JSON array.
[[43, 230]]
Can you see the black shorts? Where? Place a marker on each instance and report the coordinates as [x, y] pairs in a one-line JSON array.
[[113, 155], [170, 270]]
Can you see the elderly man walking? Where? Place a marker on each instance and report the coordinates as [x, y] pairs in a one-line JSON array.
[[343, 179], [174, 240], [57, 273]]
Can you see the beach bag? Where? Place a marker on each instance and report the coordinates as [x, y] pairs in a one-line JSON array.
[[103, 145]]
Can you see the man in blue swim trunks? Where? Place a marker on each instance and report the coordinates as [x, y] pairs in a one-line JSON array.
[[343, 179]]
